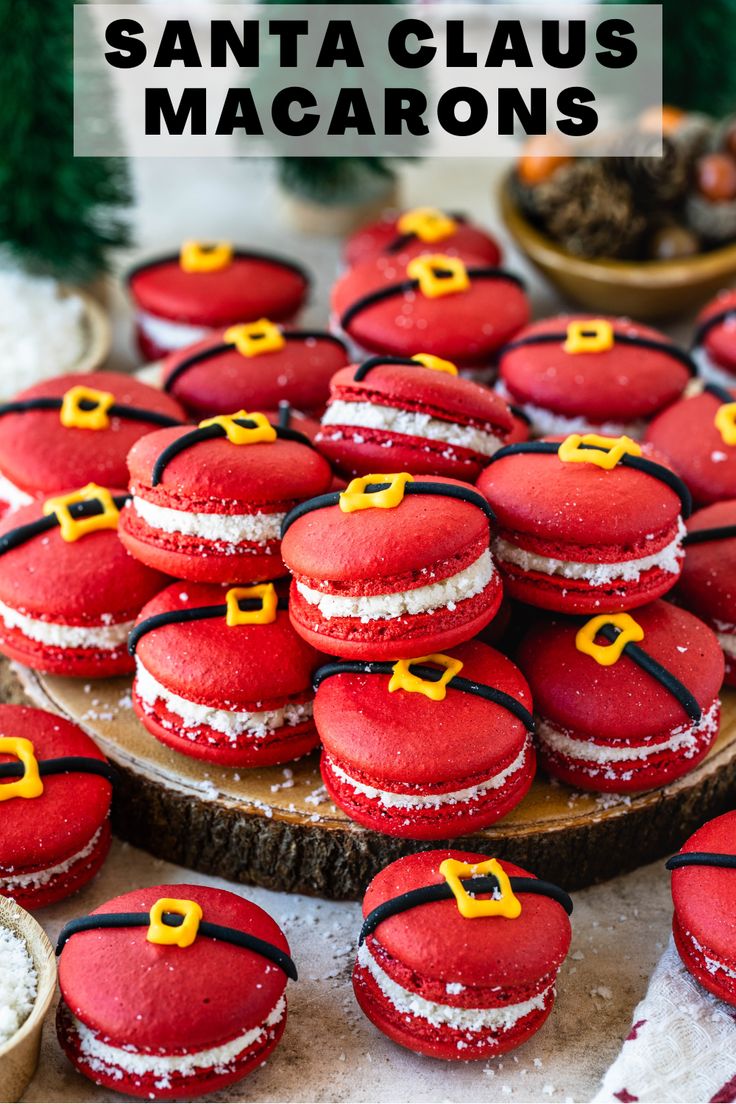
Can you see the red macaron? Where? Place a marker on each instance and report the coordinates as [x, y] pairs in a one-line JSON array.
[[73, 430], [178, 297], [421, 230], [704, 896], [55, 791], [222, 676], [459, 955], [412, 414], [707, 586], [393, 567], [396, 756], [172, 991], [623, 704], [578, 373], [698, 437], [69, 590], [586, 525], [462, 311], [256, 365], [208, 503], [714, 343]]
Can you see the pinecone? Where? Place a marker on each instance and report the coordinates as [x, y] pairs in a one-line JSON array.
[[590, 211], [655, 180]]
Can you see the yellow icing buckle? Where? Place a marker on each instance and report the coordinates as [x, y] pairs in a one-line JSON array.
[[263, 616], [242, 435], [197, 256], [166, 935], [608, 654], [438, 275], [725, 422], [606, 452], [403, 679], [30, 784], [72, 416], [73, 528], [427, 223], [507, 904], [356, 497], [592, 336], [435, 363], [252, 338]]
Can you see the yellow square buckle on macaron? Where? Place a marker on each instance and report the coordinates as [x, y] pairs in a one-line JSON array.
[[604, 452], [252, 338], [438, 275], [264, 615], [30, 784], [607, 654], [179, 935], [725, 422], [72, 528], [427, 223], [403, 679], [243, 435], [195, 256], [506, 903], [357, 497], [592, 336], [73, 414], [435, 363]]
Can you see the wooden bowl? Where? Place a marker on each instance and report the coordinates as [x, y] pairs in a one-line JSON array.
[[98, 332], [19, 1055], [638, 289]]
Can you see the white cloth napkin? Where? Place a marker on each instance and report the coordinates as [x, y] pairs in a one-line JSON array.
[[681, 1047]]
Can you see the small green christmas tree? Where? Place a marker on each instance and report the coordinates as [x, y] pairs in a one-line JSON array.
[[58, 213]]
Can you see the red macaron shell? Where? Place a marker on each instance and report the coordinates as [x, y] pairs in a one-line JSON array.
[[43, 457], [686, 434], [720, 340], [381, 237], [48, 830], [707, 585], [297, 373], [465, 327], [621, 384]]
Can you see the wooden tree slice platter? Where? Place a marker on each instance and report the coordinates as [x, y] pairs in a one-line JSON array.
[[276, 827]]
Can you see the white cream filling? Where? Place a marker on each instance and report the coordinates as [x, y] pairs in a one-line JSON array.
[[228, 528], [548, 424], [106, 637], [408, 423], [728, 643], [445, 1015], [38, 878], [668, 559], [393, 800], [228, 722], [115, 1061], [168, 334], [425, 599], [711, 372], [13, 495]]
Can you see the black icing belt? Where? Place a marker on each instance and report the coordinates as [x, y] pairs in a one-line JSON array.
[[443, 490], [89, 508], [175, 920], [716, 533], [427, 895], [430, 674], [639, 463], [196, 613], [215, 351], [211, 433], [384, 293], [401, 240], [117, 410], [239, 254], [720, 393], [700, 858], [619, 339], [710, 324], [377, 361], [65, 764], [652, 667]]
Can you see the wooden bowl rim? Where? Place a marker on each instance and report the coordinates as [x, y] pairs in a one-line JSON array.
[[98, 331], [44, 959]]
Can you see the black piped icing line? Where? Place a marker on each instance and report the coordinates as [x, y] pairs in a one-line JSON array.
[[193, 613], [378, 361], [716, 533], [446, 490], [174, 920], [653, 667], [700, 858], [117, 410], [619, 339], [239, 254], [639, 463], [211, 433], [710, 324], [721, 393], [430, 674], [426, 895], [401, 240], [400, 288], [14, 538], [64, 764], [216, 351]]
